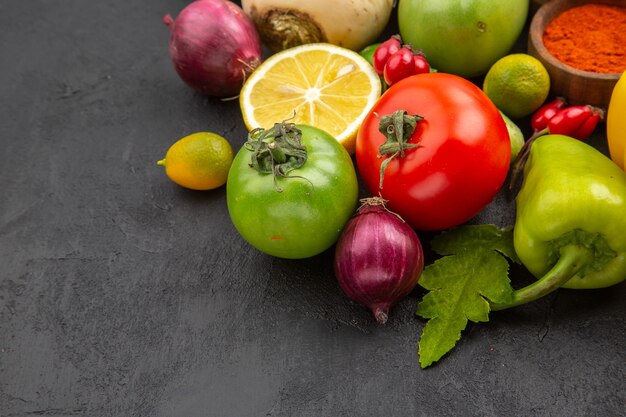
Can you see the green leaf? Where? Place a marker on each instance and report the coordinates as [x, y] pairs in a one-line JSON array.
[[471, 274], [440, 335], [486, 236]]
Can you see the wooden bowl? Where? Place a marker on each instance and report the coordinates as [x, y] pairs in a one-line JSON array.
[[578, 87]]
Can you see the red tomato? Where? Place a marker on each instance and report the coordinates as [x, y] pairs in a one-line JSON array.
[[462, 159]]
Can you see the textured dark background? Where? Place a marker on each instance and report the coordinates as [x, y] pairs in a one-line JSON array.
[[122, 294]]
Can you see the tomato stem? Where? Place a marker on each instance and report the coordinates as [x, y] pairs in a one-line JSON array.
[[398, 128], [277, 150]]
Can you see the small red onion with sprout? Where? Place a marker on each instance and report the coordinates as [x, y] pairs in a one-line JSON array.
[[214, 46], [378, 258]]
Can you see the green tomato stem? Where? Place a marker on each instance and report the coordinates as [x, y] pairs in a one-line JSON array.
[[571, 260], [397, 128], [277, 150]]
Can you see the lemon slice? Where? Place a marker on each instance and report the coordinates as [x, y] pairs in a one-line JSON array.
[[327, 86]]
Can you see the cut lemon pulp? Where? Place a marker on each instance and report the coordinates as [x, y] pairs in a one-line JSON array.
[[324, 85]]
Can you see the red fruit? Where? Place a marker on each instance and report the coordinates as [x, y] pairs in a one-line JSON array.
[[576, 121], [542, 116], [399, 66], [384, 51], [421, 64]]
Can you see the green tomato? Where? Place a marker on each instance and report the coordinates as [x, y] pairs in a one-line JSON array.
[[462, 37], [300, 215]]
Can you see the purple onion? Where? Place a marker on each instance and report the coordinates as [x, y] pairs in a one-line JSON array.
[[378, 258], [214, 46]]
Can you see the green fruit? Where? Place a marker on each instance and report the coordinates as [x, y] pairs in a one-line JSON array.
[[518, 84], [515, 135], [368, 52], [462, 37]]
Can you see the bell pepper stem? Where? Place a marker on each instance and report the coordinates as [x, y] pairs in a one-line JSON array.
[[572, 258], [518, 164]]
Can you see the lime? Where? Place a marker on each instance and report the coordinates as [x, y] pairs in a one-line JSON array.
[[518, 84], [515, 135], [199, 161], [368, 52]]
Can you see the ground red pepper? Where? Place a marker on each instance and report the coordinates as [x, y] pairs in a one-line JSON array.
[[590, 37]]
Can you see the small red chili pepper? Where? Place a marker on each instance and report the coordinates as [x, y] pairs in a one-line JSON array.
[[576, 121], [542, 116], [586, 129]]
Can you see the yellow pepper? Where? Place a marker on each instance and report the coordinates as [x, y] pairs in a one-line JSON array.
[[616, 123]]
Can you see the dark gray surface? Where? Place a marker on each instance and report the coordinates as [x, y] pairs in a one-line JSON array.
[[122, 294]]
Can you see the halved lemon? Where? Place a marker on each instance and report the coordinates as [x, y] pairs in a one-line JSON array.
[[326, 86]]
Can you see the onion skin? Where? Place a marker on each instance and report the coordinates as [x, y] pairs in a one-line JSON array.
[[214, 46], [378, 258], [352, 24]]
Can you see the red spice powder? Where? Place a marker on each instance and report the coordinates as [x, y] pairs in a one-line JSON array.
[[591, 37]]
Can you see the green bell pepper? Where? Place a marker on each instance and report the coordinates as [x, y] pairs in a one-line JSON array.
[[570, 229]]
